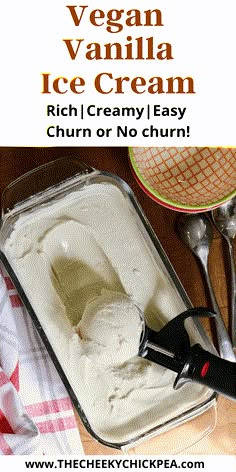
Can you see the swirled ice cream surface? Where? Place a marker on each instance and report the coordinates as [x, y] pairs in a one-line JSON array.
[[87, 269]]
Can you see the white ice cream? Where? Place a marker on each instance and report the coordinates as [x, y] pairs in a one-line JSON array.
[[106, 335], [84, 263]]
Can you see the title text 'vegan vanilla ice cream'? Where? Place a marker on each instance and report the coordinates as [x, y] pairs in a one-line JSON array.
[[85, 264]]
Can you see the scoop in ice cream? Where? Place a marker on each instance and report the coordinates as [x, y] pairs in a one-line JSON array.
[[111, 328]]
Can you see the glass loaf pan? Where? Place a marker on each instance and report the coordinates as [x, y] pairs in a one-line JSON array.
[[51, 183]]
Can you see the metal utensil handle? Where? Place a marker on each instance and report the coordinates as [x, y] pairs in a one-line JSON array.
[[233, 292], [224, 342], [210, 370]]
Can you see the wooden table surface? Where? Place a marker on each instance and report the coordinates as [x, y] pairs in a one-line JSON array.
[[16, 161]]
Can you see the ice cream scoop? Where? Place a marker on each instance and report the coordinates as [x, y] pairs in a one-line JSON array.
[[170, 347], [113, 330]]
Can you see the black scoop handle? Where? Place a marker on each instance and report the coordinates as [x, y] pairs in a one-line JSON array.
[[210, 370]]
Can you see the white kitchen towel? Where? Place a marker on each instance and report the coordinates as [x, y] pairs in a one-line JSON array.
[[36, 414]]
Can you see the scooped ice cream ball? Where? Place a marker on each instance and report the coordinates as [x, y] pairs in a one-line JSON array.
[[111, 328]]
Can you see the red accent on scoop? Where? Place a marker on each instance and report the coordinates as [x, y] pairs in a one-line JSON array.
[[205, 369]]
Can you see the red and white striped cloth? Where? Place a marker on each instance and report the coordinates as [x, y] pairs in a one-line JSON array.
[[36, 415]]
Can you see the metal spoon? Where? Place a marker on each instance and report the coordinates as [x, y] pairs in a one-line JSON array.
[[196, 232], [224, 218]]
